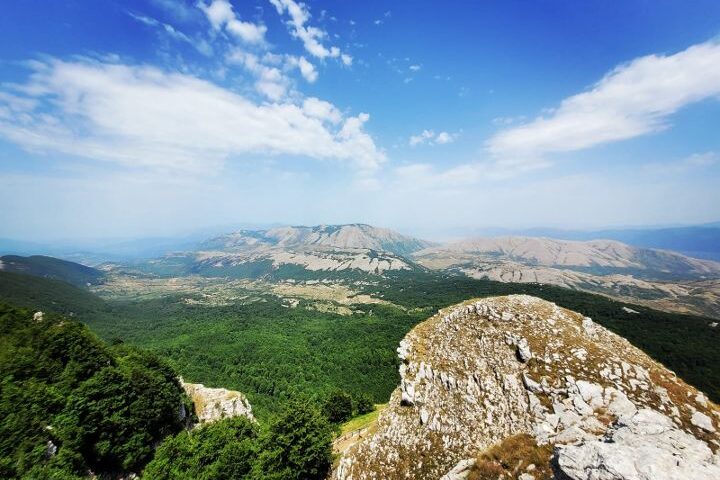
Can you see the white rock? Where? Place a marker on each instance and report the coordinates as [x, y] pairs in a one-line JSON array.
[[212, 404], [523, 350], [701, 420]]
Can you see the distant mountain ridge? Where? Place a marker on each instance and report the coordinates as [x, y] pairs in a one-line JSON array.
[[296, 252], [355, 235], [596, 256]]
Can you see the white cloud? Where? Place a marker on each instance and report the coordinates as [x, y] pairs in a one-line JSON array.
[[310, 36], [220, 14], [325, 111], [429, 137], [140, 116], [633, 99], [421, 138], [270, 81], [415, 68], [307, 70], [445, 137]]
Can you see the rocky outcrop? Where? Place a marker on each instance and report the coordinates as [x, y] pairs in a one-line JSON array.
[[485, 370], [213, 404]]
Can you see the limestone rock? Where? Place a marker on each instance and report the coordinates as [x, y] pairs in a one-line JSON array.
[[648, 446], [212, 404]]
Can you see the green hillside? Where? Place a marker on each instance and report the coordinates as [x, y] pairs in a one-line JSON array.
[[70, 403], [48, 295], [49, 267]]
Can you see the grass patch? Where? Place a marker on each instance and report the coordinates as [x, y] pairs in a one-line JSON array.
[[511, 457], [362, 421]]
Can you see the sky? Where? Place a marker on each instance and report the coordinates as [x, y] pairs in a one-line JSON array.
[[147, 118]]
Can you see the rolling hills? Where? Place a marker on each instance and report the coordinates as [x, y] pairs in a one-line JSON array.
[[50, 267]]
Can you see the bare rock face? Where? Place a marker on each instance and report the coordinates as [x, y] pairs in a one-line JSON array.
[[644, 446], [485, 370], [212, 404]]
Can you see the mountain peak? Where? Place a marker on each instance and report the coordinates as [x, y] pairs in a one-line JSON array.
[[345, 236]]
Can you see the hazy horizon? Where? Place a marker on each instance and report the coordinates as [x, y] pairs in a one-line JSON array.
[[150, 119]]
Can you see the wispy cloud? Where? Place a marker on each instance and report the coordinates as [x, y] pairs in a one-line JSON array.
[[633, 99], [311, 36], [431, 138], [140, 116], [172, 32], [221, 15], [691, 163]]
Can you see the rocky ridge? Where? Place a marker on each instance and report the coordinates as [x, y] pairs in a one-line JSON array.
[[479, 373], [694, 297]]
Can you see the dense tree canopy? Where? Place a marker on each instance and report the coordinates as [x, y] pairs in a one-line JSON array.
[[71, 404]]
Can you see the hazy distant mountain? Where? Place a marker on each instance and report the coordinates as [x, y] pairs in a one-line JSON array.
[[49, 267], [701, 241], [334, 236], [658, 278], [324, 251], [597, 256]]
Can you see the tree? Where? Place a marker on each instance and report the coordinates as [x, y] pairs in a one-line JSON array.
[[364, 403], [297, 444], [224, 450], [338, 406]]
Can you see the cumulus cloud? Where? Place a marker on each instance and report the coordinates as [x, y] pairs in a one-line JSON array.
[[140, 116], [325, 111], [633, 99], [221, 15], [307, 69], [311, 37], [431, 138]]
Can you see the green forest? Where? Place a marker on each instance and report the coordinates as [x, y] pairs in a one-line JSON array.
[[73, 406], [271, 353]]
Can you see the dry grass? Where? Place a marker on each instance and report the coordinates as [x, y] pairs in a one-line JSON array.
[[511, 457]]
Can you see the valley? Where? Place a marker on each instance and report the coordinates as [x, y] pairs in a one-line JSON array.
[[276, 328]]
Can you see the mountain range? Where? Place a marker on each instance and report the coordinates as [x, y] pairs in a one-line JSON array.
[[358, 252]]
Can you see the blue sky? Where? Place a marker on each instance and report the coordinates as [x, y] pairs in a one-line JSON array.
[[140, 118]]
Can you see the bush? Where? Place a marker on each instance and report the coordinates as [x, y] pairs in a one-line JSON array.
[[338, 407], [364, 404]]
